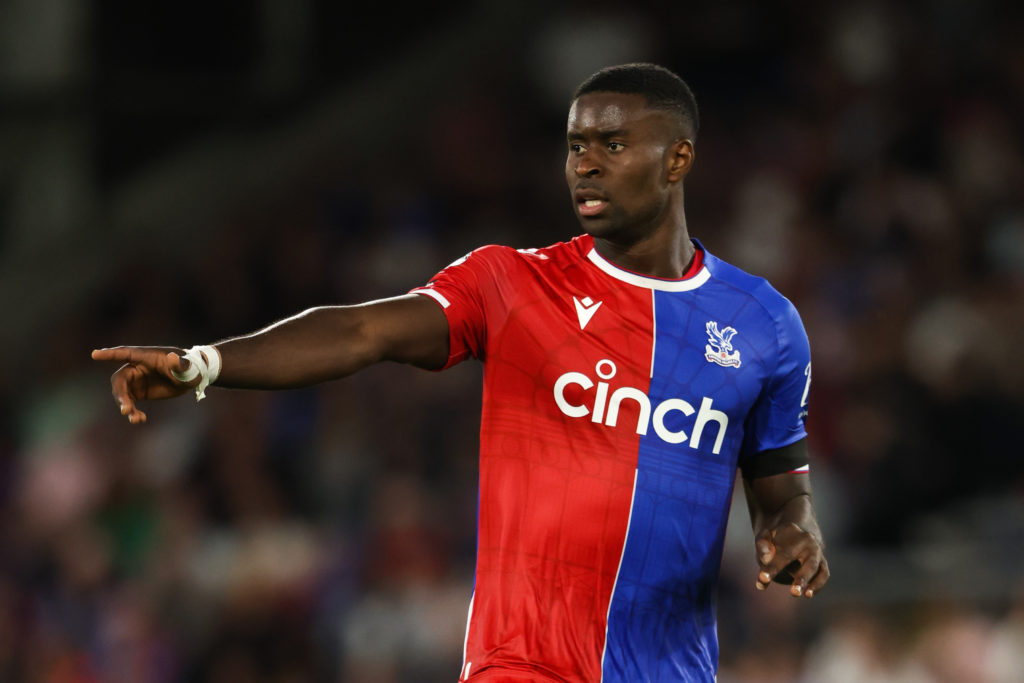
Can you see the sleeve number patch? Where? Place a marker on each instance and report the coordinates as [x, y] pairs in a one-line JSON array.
[[807, 386]]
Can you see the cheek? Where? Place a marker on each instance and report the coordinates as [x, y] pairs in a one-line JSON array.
[[643, 179]]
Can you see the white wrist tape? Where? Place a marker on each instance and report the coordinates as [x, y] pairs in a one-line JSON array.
[[204, 361]]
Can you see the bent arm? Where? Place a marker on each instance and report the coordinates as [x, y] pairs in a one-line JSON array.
[[788, 540], [329, 342]]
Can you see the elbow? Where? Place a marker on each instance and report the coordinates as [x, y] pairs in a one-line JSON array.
[[356, 343]]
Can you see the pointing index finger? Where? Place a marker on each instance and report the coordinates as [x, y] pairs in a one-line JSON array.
[[121, 354], [102, 354], [147, 355]]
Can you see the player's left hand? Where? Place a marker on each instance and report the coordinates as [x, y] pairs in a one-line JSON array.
[[791, 555]]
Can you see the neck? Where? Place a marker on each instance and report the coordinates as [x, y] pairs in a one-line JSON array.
[[663, 253]]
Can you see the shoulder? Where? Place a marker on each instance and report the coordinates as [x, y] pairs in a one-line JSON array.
[[488, 259], [766, 313], [558, 253], [752, 287]]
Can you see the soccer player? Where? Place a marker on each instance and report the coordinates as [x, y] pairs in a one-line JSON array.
[[629, 375]]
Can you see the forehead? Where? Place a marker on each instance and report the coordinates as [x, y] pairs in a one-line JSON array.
[[606, 111]]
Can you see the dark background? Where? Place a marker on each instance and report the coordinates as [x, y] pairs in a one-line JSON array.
[[182, 173]]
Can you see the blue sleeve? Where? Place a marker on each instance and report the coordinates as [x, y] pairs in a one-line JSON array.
[[777, 418]]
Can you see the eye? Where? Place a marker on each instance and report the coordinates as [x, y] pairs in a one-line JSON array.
[[575, 147], [616, 147]]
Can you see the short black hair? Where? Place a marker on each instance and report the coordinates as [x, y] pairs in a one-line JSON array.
[[661, 88]]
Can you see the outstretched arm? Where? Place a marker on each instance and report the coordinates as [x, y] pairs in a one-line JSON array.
[[789, 545], [331, 342], [314, 346]]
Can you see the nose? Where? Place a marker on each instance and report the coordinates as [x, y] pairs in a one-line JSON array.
[[587, 165]]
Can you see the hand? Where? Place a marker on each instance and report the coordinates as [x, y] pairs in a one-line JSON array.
[[145, 375], [790, 555]]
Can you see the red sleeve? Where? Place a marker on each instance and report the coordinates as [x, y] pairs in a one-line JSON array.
[[463, 291]]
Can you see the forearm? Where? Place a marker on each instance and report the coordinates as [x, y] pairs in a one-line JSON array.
[[781, 499], [798, 510], [316, 345], [330, 342], [788, 541]]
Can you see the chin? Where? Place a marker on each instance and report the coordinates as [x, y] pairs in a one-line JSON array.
[[612, 232], [597, 226]]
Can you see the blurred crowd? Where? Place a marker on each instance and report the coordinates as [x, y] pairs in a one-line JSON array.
[[867, 159]]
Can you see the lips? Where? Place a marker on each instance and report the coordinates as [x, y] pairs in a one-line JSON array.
[[591, 207], [590, 201]]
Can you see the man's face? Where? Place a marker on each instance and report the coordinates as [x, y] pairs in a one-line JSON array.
[[618, 164]]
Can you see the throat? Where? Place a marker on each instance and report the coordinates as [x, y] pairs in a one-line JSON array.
[[654, 260]]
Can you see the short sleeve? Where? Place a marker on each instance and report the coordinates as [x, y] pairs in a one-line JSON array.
[[777, 418], [462, 290]]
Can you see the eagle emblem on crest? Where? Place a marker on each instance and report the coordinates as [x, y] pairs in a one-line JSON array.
[[719, 347]]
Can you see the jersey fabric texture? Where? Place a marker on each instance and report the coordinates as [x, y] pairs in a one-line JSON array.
[[616, 411]]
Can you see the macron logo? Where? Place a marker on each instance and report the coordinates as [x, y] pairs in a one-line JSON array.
[[586, 309]]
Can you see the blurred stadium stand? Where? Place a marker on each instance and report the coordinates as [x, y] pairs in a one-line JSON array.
[[182, 174]]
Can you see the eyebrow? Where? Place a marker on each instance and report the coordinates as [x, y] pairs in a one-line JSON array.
[[603, 134]]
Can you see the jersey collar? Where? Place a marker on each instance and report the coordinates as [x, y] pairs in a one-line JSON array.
[[648, 282]]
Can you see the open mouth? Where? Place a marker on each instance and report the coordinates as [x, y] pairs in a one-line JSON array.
[[591, 207]]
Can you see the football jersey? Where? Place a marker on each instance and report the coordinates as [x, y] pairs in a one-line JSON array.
[[616, 410]]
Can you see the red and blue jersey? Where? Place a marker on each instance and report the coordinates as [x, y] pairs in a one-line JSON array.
[[616, 411]]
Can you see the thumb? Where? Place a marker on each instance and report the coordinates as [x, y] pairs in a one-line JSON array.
[[180, 367], [765, 547]]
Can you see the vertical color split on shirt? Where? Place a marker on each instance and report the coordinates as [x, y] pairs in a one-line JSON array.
[[661, 619]]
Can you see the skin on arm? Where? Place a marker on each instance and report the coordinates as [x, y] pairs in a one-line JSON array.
[[317, 345], [787, 539]]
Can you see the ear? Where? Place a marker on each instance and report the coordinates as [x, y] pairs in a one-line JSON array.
[[680, 159]]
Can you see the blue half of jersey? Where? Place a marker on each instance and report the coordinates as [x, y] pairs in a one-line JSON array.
[[661, 620]]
